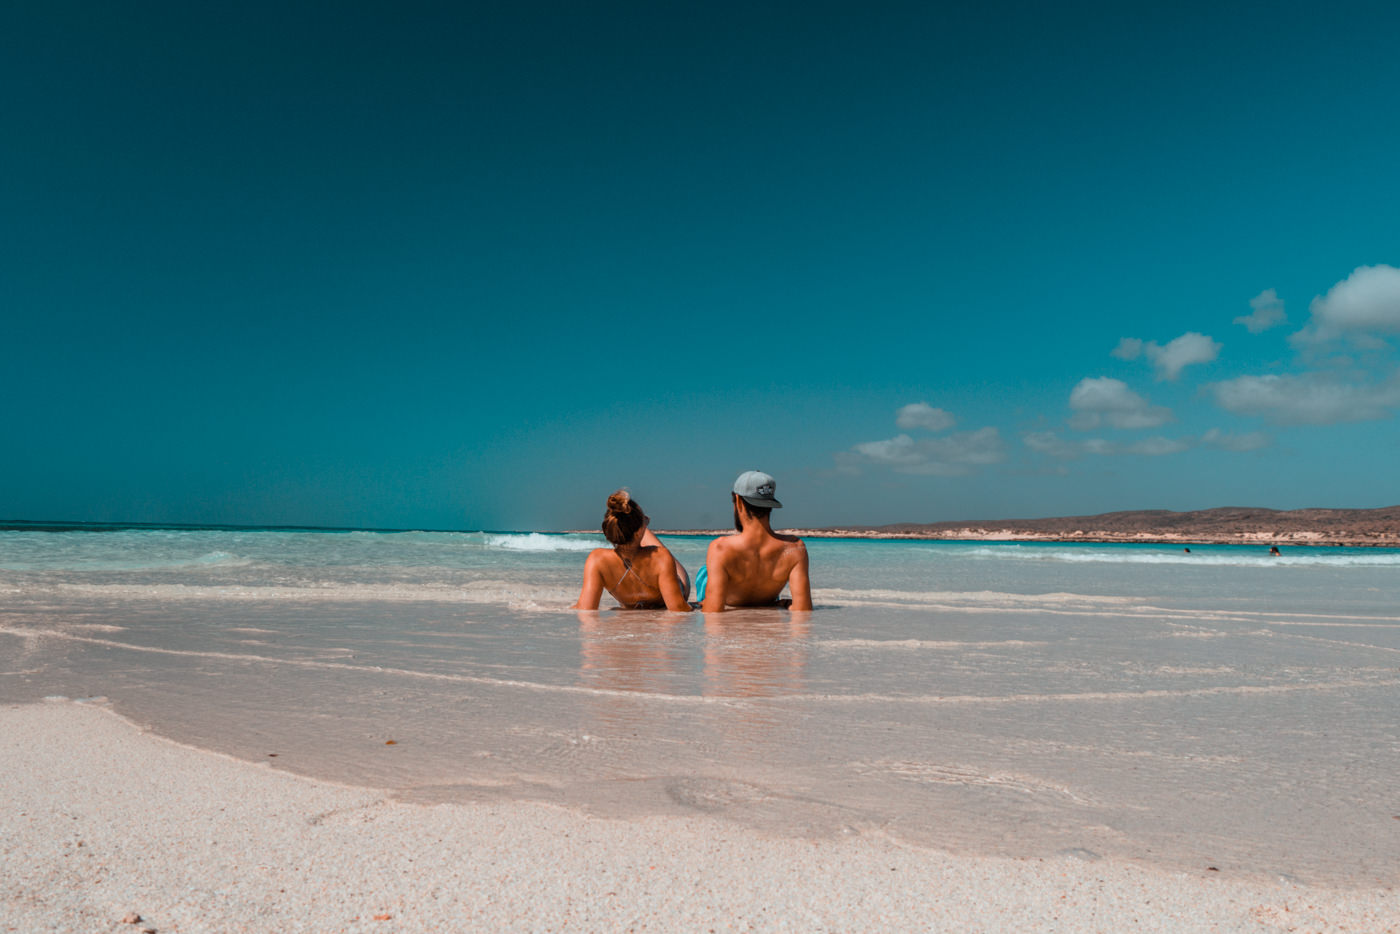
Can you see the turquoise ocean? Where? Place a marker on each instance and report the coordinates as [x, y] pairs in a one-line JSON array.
[[1219, 709]]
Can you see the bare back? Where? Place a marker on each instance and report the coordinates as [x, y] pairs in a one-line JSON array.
[[646, 577], [752, 568]]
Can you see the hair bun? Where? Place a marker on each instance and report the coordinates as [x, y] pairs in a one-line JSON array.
[[624, 519]]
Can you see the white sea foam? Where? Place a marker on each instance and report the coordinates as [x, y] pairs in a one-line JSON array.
[[949, 644], [222, 558], [973, 597], [125, 562], [535, 541], [484, 592]]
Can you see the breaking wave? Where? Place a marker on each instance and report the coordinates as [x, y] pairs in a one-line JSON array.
[[539, 541]]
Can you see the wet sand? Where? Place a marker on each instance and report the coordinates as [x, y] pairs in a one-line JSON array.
[[103, 822]]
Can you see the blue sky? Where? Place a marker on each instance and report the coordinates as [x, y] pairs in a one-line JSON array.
[[466, 266]]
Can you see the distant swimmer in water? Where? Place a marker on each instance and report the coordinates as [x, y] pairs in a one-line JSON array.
[[638, 570], [1274, 551], [1187, 550], [753, 567]]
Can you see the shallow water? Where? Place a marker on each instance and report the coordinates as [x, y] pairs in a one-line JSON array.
[[1219, 709]]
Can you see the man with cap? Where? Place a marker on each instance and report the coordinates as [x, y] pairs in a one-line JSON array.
[[751, 568]]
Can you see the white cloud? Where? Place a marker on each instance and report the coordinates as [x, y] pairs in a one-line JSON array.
[[955, 455], [1110, 400], [1170, 360], [1129, 348], [1182, 352], [923, 415], [1365, 303], [1266, 312], [1366, 300], [1047, 442], [1158, 446], [1307, 398], [1250, 441]]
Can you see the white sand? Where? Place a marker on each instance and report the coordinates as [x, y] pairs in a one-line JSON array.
[[98, 820]]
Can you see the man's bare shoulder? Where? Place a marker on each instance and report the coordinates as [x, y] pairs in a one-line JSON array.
[[723, 544], [790, 546]]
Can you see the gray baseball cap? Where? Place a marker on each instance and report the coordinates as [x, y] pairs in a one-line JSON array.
[[757, 488]]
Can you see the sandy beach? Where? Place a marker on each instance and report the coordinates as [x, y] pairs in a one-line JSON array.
[[102, 822], [309, 731]]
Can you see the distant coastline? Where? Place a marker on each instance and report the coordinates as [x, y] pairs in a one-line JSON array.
[[1377, 528]]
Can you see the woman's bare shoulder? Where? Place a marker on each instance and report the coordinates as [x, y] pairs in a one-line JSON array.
[[660, 559]]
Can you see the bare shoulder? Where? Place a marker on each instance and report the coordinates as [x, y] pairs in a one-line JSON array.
[[721, 546], [793, 545], [662, 560]]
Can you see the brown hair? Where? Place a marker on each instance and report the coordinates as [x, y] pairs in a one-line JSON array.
[[758, 512], [624, 518]]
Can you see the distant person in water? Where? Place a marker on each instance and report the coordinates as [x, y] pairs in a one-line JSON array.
[[637, 570], [751, 568], [1274, 550]]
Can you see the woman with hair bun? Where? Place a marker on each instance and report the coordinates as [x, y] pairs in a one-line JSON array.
[[638, 570]]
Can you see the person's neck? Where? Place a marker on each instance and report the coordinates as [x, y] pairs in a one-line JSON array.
[[756, 528]]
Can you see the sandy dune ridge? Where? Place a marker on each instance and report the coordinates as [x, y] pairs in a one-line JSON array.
[[1230, 525]]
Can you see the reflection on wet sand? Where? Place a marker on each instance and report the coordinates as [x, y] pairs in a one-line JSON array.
[[629, 651], [738, 658], [626, 657], [744, 653], [755, 653]]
